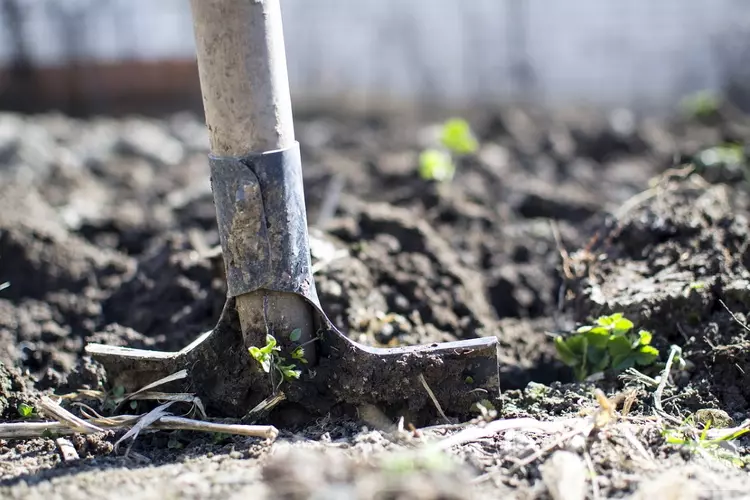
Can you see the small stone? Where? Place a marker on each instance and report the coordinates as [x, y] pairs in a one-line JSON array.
[[714, 417], [564, 474], [577, 443]]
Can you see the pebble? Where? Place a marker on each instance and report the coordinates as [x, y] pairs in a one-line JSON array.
[[564, 474]]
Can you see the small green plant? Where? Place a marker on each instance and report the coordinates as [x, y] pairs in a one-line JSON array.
[[715, 447], [25, 410], [299, 355], [697, 285], [723, 163], [702, 104], [725, 155], [436, 165], [607, 344], [271, 362], [456, 139]]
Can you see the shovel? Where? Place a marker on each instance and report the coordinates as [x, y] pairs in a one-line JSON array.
[[272, 308]]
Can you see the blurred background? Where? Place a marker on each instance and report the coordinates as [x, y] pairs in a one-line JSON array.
[[137, 56]]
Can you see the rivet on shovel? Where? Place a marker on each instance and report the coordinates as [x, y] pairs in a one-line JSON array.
[[256, 179]]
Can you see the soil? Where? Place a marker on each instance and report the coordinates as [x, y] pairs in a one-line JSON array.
[[108, 235]]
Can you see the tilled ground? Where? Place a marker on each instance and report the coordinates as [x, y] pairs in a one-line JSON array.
[[106, 235]]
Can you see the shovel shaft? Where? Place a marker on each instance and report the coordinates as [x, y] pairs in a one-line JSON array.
[[245, 87], [243, 75]]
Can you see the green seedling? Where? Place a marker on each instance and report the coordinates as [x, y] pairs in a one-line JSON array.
[[607, 344], [456, 139], [25, 410], [703, 104], [271, 362], [716, 447], [725, 162], [299, 355], [436, 165], [729, 155]]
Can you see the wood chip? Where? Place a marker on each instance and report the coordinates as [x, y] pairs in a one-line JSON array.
[[67, 450]]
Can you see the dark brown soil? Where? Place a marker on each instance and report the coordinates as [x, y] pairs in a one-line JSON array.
[[107, 233]]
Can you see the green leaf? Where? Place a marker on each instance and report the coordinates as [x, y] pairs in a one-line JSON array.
[[295, 335], [578, 344], [595, 356], [264, 358], [270, 345], [646, 355], [25, 410], [265, 363], [598, 337], [118, 392], [598, 359], [608, 320], [299, 354], [623, 361], [289, 372], [644, 337], [619, 346], [436, 165], [458, 137], [622, 325], [566, 355]]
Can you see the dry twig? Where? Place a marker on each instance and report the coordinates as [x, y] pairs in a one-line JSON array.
[[434, 399], [734, 316], [662, 384], [63, 416]]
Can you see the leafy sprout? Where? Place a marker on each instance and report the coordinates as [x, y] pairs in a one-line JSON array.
[[607, 344], [725, 162], [299, 355], [728, 155], [270, 361], [436, 165], [689, 438], [25, 410], [456, 139], [702, 104]]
